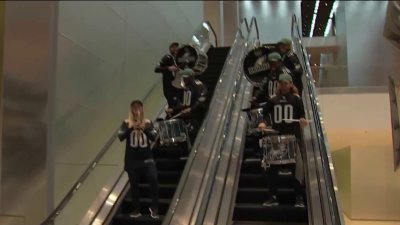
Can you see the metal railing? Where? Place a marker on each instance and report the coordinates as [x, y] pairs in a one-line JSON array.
[[200, 165], [325, 208]]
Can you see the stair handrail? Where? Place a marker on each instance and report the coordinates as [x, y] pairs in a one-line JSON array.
[[321, 148], [211, 211]]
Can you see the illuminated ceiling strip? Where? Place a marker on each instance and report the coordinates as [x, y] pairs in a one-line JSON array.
[[314, 18], [329, 24]]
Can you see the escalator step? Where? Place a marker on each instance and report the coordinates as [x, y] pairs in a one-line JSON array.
[[281, 213], [170, 164], [259, 195], [145, 203], [124, 219], [249, 180], [165, 190]]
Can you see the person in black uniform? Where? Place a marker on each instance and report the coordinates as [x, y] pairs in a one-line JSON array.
[[291, 61], [270, 82], [167, 66], [138, 132], [286, 104], [191, 101]]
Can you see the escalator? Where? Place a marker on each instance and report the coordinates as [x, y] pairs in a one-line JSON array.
[[171, 160], [252, 192], [240, 184]]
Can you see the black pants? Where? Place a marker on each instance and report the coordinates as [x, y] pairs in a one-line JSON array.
[[135, 172], [272, 178]]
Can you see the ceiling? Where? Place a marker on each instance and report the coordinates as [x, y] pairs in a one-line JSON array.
[[321, 17]]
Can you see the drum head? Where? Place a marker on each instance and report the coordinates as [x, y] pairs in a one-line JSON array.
[[255, 65], [187, 56]]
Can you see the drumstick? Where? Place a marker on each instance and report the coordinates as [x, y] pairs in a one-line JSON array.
[[176, 115], [296, 120]]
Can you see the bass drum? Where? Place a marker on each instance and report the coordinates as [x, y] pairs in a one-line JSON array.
[[255, 64], [192, 57]]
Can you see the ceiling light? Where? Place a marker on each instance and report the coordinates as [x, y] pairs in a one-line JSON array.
[[314, 18], [329, 24]]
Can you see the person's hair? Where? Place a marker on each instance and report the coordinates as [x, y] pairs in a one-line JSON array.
[[140, 103], [293, 90], [173, 44]]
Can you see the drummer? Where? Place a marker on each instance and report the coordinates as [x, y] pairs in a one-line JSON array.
[[192, 98], [286, 104], [270, 82], [291, 61]]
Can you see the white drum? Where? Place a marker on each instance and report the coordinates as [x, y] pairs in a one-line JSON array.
[[279, 149], [171, 131]]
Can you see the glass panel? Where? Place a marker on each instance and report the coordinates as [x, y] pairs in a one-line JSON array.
[[99, 181], [12, 220]]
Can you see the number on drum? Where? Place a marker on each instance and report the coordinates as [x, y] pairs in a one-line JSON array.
[[285, 112], [142, 142]]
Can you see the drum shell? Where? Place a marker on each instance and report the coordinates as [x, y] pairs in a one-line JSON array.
[[192, 57], [256, 66], [171, 131], [280, 149]]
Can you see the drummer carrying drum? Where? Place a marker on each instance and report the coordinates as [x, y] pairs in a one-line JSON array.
[[286, 112], [270, 82], [192, 98]]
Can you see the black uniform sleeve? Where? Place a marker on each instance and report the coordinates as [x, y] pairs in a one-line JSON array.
[[297, 68], [163, 65], [150, 131], [124, 131], [260, 92], [300, 106], [202, 95]]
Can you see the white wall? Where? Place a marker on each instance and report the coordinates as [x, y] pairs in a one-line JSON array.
[[274, 18], [361, 121], [107, 52], [371, 58]]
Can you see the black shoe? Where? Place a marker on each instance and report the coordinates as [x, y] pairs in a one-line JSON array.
[[154, 213], [271, 201], [299, 202]]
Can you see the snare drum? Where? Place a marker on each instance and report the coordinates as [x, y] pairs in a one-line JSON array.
[[172, 131], [279, 149]]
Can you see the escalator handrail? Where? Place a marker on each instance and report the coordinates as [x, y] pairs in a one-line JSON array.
[[224, 148], [67, 198], [323, 149], [213, 31], [188, 167]]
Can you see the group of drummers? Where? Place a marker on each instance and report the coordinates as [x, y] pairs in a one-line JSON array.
[[277, 115], [276, 118]]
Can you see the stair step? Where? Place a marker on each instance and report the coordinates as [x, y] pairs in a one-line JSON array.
[[165, 190], [281, 213], [145, 203], [124, 219], [259, 195], [166, 164]]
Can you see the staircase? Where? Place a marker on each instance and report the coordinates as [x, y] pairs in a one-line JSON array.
[[252, 192], [171, 160]]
